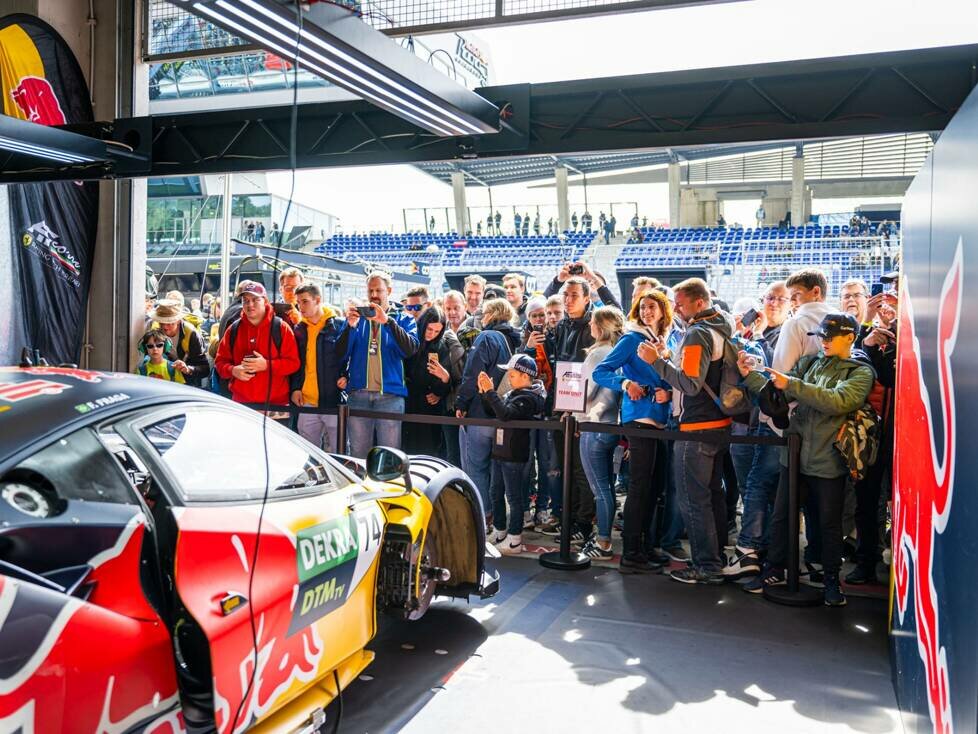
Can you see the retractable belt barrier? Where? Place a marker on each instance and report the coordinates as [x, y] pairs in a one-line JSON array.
[[791, 594]]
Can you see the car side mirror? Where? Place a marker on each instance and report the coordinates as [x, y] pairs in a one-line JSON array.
[[385, 464]]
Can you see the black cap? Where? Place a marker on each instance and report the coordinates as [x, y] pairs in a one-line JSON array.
[[493, 291], [836, 324], [890, 277]]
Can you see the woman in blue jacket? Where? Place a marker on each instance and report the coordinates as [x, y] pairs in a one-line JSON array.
[[646, 405]]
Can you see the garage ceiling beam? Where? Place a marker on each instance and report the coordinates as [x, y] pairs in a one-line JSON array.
[[910, 91]]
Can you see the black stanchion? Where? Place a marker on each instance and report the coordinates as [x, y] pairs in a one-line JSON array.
[[794, 594], [564, 560], [342, 415]]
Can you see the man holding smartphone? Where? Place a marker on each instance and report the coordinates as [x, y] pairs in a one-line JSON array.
[[258, 352], [380, 339]]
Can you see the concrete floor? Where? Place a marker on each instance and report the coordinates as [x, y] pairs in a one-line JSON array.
[[594, 651]]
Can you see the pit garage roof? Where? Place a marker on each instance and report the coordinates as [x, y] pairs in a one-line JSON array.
[[497, 172]]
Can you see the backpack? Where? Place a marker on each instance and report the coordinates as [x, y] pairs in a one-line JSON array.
[[276, 327], [734, 400]]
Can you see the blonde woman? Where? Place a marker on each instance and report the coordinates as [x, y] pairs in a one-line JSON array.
[[645, 404], [598, 449]]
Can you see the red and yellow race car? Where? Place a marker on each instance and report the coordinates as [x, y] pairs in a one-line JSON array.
[[158, 575]]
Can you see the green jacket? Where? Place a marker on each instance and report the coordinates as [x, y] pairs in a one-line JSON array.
[[826, 390]]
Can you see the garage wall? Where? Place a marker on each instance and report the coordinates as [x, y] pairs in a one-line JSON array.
[[934, 635]]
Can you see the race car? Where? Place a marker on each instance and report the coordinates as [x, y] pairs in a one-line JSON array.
[[158, 574]]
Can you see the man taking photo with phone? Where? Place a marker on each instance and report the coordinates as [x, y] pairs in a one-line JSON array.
[[380, 339]]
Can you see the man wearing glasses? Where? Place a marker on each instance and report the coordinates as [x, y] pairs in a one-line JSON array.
[[416, 301]]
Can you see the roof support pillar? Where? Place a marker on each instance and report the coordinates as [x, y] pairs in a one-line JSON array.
[[461, 207], [674, 189], [563, 204]]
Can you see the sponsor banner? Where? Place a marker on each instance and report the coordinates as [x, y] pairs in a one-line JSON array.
[[52, 226]]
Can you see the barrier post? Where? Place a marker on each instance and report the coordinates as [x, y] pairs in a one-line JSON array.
[[342, 414], [793, 594], [563, 559]]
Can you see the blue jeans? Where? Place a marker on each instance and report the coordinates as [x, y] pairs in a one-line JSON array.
[[597, 457], [512, 474], [452, 453], [549, 485], [760, 488], [698, 470], [476, 445], [361, 430]]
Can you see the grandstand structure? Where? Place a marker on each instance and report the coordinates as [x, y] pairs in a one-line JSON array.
[[736, 262]]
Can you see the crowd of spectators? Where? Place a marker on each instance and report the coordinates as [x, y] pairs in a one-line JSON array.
[[668, 359]]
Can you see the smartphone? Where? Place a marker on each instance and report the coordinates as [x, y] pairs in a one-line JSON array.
[[368, 312], [538, 328], [432, 357], [576, 270], [876, 289], [281, 309], [749, 317]]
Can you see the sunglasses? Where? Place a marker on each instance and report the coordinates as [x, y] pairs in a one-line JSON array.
[[775, 299], [155, 346], [413, 306]]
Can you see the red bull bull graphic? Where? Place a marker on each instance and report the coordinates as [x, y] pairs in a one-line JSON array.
[[37, 101], [924, 484]]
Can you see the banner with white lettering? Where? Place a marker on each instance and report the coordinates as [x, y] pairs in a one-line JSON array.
[[51, 227]]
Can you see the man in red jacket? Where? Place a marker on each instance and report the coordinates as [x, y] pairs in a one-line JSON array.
[[251, 355]]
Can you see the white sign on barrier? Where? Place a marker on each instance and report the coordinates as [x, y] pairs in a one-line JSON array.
[[571, 387]]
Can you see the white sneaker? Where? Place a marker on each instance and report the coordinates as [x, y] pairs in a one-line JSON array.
[[543, 516], [512, 545], [496, 536]]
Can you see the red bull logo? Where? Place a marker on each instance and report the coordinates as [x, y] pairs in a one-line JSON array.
[[37, 101], [924, 484]]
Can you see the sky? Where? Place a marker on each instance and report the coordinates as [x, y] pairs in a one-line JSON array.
[[754, 31]]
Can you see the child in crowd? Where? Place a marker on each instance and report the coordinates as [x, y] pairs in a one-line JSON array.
[[511, 447], [153, 346]]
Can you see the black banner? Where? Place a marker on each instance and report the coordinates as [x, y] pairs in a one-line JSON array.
[[52, 226]]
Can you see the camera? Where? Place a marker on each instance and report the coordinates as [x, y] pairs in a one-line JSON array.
[[576, 269]]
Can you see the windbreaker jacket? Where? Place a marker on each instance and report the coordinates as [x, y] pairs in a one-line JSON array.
[[700, 360], [282, 363], [623, 363], [330, 358], [398, 341], [491, 348], [827, 390]]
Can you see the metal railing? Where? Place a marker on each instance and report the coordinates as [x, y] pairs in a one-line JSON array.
[[563, 559]]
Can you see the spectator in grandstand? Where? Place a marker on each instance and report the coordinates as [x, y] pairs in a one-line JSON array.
[[489, 227], [536, 224], [515, 286], [608, 231], [550, 227], [498, 219], [634, 223], [431, 224], [517, 224], [721, 222], [154, 363], [586, 220], [645, 405], [495, 344], [526, 224], [416, 302], [380, 340], [251, 231], [698, 464], [260, 232], [321, 340], [187, 351], [433, 374], [614, 224], [478, 228], [454, 307], [602, 220], [511, 447], [574, 221], [288, 281], [826, 388], [760, 216], [642, 284], [258, 352], [807, 290], [276, 235]]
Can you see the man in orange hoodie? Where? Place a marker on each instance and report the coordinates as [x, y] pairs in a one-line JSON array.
[[258, 352]]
